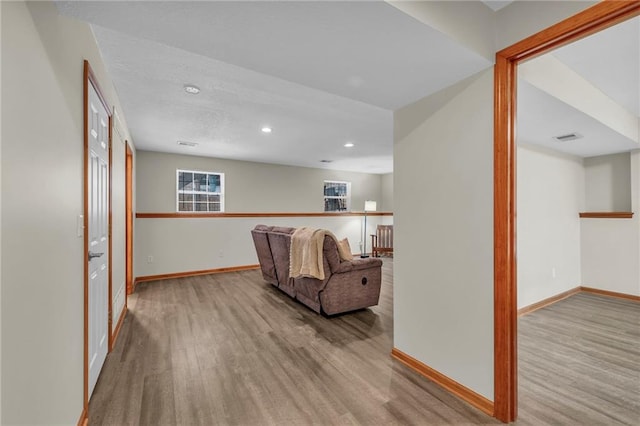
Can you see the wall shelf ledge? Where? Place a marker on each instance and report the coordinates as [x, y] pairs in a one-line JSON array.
[[606, 215]]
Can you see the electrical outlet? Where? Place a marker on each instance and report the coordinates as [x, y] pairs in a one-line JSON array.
[[221, 253], [553, 273], [149, 259]]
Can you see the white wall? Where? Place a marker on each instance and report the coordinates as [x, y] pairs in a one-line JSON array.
[[42, 190], [387, 193], [118, 222], [183, 245], [524, 18], [611, 247], [470, 23], [0, 221], [443, 218], [249, 186], [443, 206], [608, 183], [550, 194]]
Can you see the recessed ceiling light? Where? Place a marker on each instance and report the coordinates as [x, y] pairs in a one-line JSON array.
[[349, 145], [189, 144], [190, 88], [266, 129]]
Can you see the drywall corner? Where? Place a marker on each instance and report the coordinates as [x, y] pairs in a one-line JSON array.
[[407, 118], [443, 231]]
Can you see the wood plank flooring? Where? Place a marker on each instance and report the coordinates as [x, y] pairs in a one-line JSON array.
[[580, 362], [229, 349]]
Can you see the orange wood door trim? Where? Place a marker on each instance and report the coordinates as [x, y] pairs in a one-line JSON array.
[[591, 20], [84, 418], [129, 219], [110, 233]]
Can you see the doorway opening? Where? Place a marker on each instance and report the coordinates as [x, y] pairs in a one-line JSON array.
[[592, 20]]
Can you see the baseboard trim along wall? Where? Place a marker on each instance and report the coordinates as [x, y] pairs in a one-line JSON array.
[[558, 297], [193, 273], [84, 418], [118, 326], [548, 301], [610, 293], [461, 391]]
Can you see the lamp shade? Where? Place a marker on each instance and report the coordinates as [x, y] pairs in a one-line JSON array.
[[369, 206]]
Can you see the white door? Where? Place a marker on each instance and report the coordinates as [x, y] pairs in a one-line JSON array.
[[98, 220]]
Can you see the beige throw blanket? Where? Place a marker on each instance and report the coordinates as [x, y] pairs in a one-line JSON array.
[[305, 257]]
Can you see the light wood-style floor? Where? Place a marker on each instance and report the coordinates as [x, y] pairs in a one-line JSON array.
[[231, 349], [579, 362]]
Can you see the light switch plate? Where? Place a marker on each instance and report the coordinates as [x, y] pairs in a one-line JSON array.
[[80, 226]]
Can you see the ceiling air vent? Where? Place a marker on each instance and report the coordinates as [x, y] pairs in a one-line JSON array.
[[189, 144], [326, 161], [568, 137]]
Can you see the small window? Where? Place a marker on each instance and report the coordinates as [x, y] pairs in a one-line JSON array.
[[199, 191], [337, 196]]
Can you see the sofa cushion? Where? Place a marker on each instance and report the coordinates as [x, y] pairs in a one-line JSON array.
[[346, 247]]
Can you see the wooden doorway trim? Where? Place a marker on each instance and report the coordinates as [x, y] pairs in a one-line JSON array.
[[591, 20], [129, 219], [89, 78]]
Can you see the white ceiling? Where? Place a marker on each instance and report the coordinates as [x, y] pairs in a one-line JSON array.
[[497, 4], [610, 61], [321, 73], [541, 117]]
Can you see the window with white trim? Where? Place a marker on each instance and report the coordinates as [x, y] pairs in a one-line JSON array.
[[337, 196], [199, 191]]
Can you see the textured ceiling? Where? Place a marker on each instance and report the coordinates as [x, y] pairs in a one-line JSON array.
[[321, 73], [234, 104]]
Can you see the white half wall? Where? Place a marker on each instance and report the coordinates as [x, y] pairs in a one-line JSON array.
[[185, 245], [443, 219], [172, 245], [611, 247], [550, 195], [610, 255]]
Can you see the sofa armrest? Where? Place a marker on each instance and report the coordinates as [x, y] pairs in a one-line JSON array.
[[357, 264]]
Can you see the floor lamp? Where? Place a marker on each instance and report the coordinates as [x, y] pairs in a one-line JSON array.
[[369, 206]]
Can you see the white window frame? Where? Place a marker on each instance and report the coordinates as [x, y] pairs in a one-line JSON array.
[[194, 193], [346, 197]]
